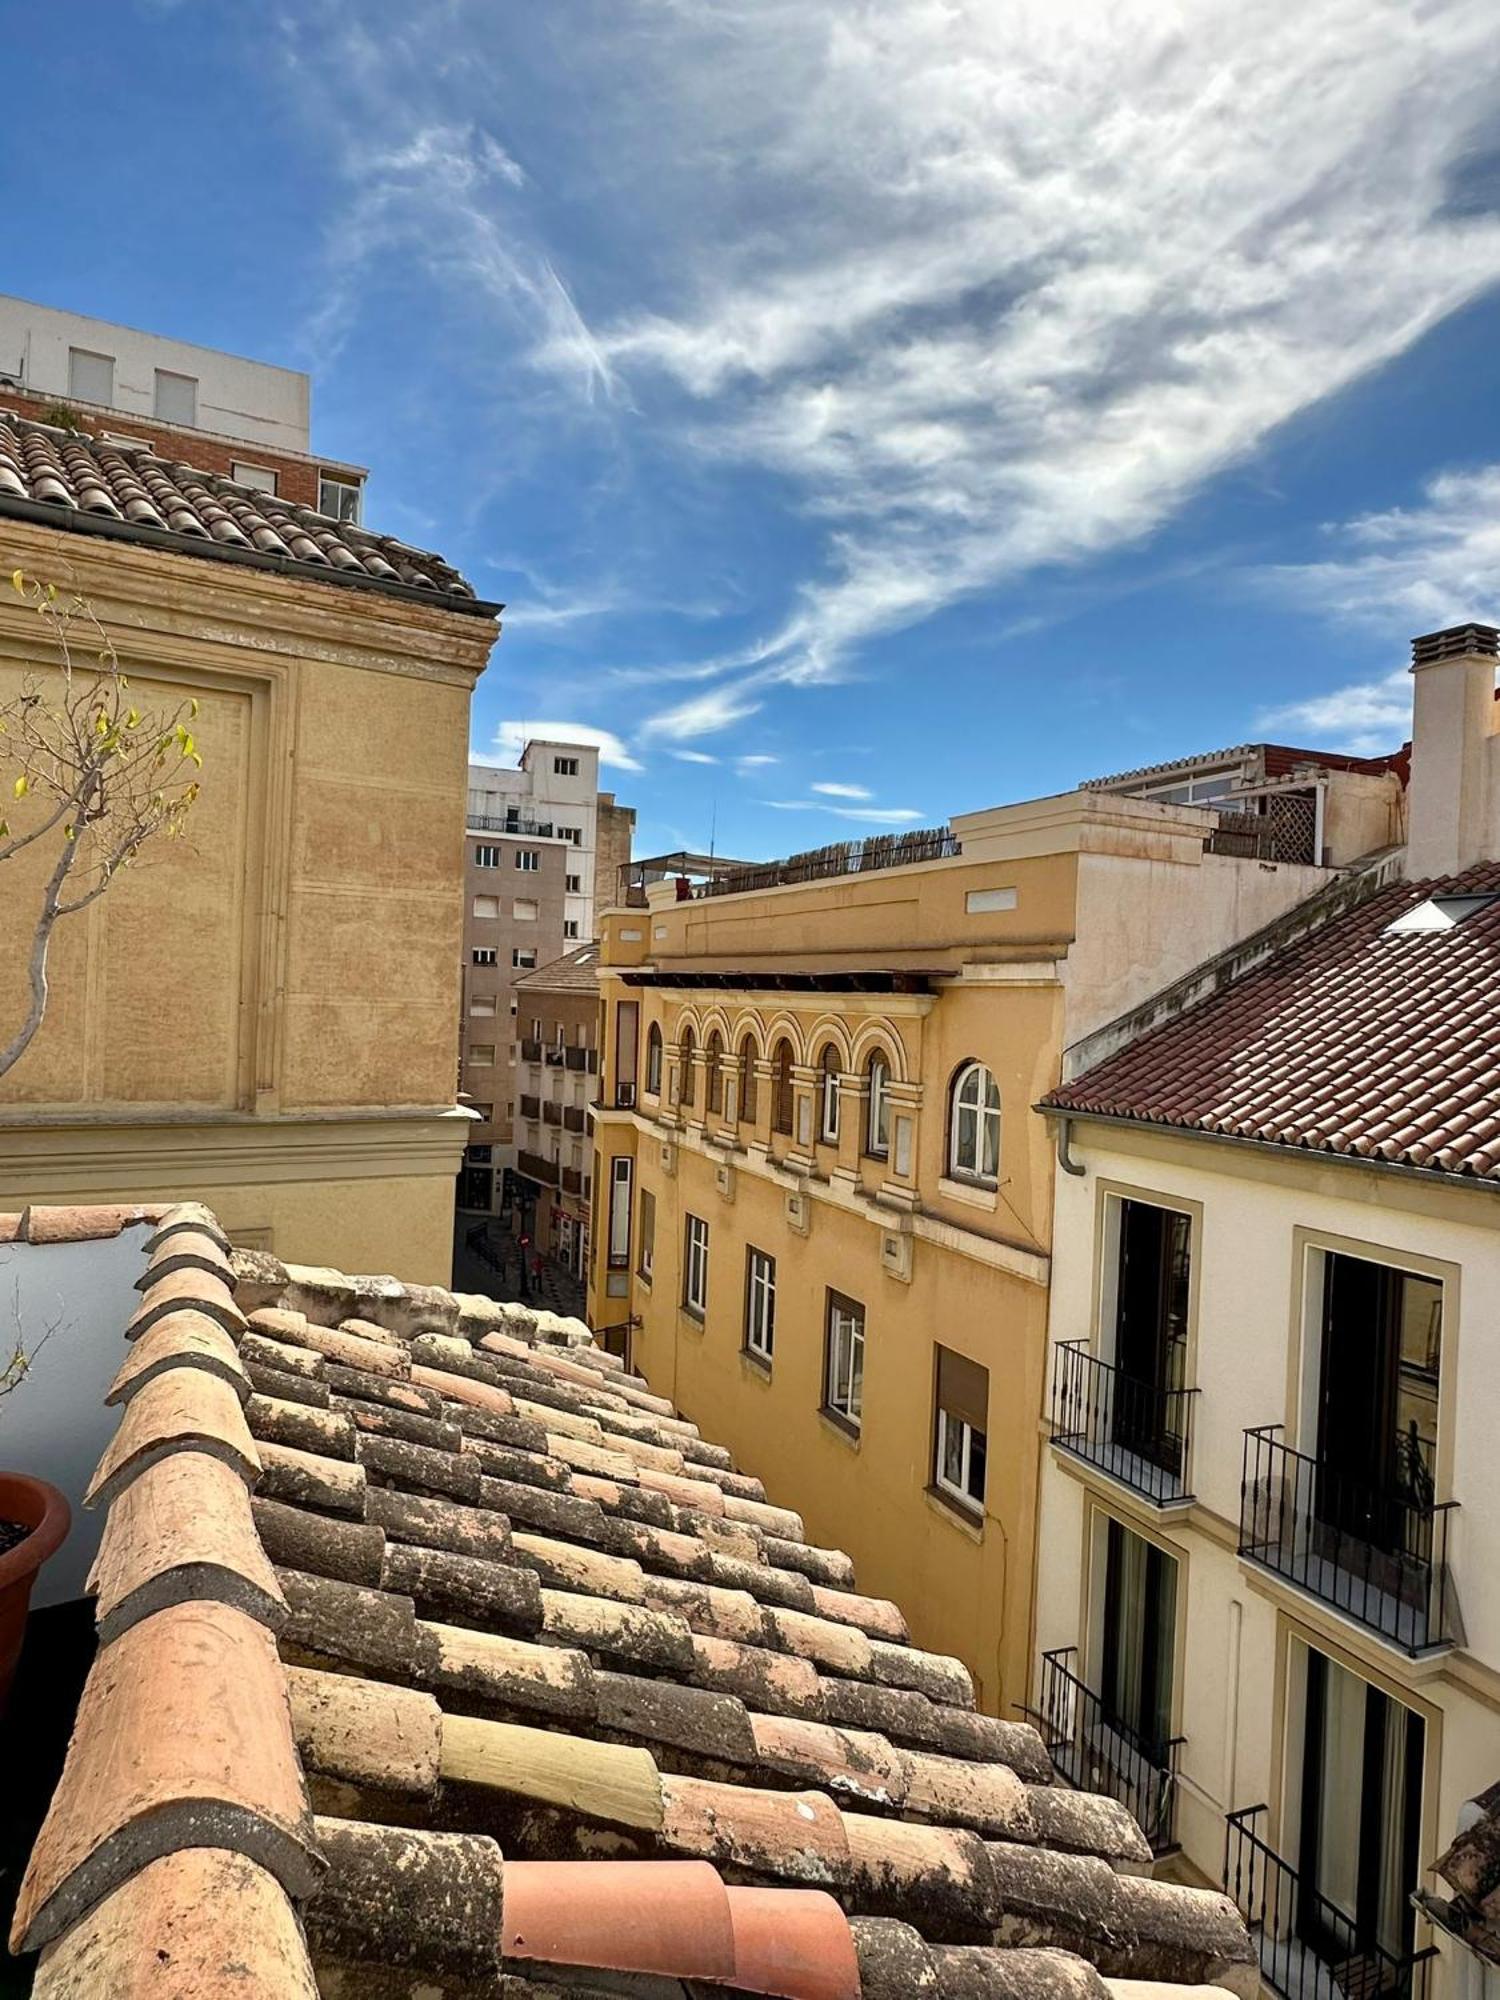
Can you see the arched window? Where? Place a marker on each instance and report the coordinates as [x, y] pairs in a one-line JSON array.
[[713, 1072], [747, 1079], [686, 1046], [974, 1126], [878, 1117], [653, 1060], [828, 1095], [781, 1100]]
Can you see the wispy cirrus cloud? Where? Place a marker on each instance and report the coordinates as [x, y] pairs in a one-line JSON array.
[[871, 815], [832, 790], [1395, 573]]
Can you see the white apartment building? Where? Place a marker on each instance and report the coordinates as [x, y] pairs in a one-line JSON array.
[[551, 796], [1268, 1561]]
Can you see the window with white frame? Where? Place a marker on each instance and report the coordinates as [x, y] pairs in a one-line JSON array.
[[648, 1234], [572, 833], [565, 767], [760, 1304], [481, 1003], [828, 1096], [974, 1126], [486, 857], [878, 1114], [523, 959], [962, 1397], [570, 927], [484, 954], [338, 498], [844, 1360], [695, 1266], [528, 860], [573, 884], [620, 1171]]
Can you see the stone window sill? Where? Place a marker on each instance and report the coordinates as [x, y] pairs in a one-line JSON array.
[[973, 1194]]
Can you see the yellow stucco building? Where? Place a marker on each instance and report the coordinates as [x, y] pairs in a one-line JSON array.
[[263, 1011], [821, 1195]]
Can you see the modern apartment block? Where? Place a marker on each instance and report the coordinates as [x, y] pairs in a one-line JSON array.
[[543, 846], [557, 1079], [243, 420], [823, 1199], [1268, 1575]]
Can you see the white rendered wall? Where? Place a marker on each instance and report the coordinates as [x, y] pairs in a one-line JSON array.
[[236, 398], [540, 792]]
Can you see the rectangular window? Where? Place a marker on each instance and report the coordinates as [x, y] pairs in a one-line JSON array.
[[91, 377], [565, 767], [570, 927], [963, 1394], [760, 1304], [484, 954], [486, 857], [482, 1054], [525, 910], [176, 398], [528, 860], [486, 906], [523, 960], [648, 1234], [844, 1360], [620, 1170], [485, 1113], [572, 833], [574, 885], [695, 1266], [338, 498], [482, 1003], [259, 478], [1152, 1281]]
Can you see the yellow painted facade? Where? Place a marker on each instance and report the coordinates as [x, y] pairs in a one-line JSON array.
[[261, 1014], [1000, 955]]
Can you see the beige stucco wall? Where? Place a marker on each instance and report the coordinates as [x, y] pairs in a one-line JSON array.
[[295, 959], [1258, 1215]]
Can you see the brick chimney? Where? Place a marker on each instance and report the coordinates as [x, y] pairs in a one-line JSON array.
[[1454, 797]]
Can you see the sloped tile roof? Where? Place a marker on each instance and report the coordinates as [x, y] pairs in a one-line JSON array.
[[574, 972], [1351, 1041], [103, 488], [438, 1652]]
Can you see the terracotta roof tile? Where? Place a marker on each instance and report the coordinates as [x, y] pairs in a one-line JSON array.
[[1351, 1041], [519, 1597], [106, 488]]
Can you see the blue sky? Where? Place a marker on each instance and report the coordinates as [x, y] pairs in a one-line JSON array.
[[867, 411]]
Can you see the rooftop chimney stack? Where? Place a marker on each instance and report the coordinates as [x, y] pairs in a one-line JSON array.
[[1454, 797]]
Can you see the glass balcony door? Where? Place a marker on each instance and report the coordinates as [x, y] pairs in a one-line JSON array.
[[1150, 1334]]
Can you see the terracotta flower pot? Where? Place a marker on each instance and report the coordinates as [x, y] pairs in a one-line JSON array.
[[40, 1507]]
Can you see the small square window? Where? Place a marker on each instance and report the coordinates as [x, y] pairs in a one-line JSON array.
[[565, 767], [484, 955], [91, 377], [570, 927], [574, 885], [523, 960], [486, 857], [528, 860], [482, 1003], [339, 498], [486, 906], [482, 1054], [259, 478], [176, 398], [524, 910]]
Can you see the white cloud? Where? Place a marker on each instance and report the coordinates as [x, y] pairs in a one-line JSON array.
[[511, 739], [871, 815], [1396, 573], [1036, 275], [834, 791], [753, 763], [692, 757], [702, 714]]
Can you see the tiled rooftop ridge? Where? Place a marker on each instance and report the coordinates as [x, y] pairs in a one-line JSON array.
[[396, 1582], [122, 490]]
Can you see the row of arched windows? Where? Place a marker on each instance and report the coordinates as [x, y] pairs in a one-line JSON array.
[[973, 1098]]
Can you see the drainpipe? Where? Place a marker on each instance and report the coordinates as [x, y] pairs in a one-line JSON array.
[[1064, 1158]]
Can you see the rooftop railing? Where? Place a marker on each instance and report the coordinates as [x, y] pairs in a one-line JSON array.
[[846, 857], [1377, 1553]]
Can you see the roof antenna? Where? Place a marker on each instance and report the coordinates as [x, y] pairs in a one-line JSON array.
[[713, 827]]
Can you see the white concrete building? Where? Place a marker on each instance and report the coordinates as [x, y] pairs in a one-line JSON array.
[[551, 796], [1268, 1565]]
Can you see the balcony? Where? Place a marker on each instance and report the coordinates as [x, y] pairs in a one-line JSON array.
[[531, 1051], [572, 1180], [537, 1169], [482, 822], [1134, 1431], [551, 1113], [555, 1058], [1095, 1753], [574, 1117], [583, 1059], [531, 1107], [1281, 1912], [1377, 1554]]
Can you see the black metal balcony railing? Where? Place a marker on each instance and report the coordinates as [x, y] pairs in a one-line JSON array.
[[572, 1180], [584, 1059], [531, 1051], [573, 1117], [538, 1169], [1134, 1430], [555, 1057], [1379, 1554], [1309, 1950], [551, 1113], [531, 1107], [481, 822], [1096, 1752]]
